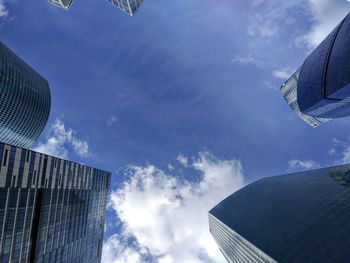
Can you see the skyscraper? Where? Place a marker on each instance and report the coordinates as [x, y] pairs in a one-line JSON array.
[[322, 84], [25, 100], [302, 217], [289, 91], [65, 4], [128, 6], [51, 210]]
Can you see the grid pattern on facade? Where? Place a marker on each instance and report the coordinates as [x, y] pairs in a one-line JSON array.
[[65, 4], [51, 210], [234, 247], [25, 100], [289, 92], [324, 81], [338, 71], [301, 217], [128, 6]]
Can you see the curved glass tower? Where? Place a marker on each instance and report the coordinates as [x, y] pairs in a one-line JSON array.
[[289, 91], [302, 217], [25, 100], [323, 82]]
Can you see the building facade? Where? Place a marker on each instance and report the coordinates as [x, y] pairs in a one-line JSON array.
[[128, 6], [51, 210], [302, 217], [323, 83], [65, 4], [289, 91], [25, 100]]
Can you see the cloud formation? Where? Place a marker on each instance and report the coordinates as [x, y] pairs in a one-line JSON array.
[[273, 17], [326, 15], [59, 138], [341, 150], [111, 120], [182, 159], [300, 165], [165, 218], [283, 73], [247, 60], [3, 10]]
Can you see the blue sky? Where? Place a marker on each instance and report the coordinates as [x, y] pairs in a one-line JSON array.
[[174, 100]]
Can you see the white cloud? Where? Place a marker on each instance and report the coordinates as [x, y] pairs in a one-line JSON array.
[[111, 120], [326, 14], [273, 17], [295, 165], [283, 73], [270, 17], [3, 10], [59, 138], [182, 159], [115, 250], [246, 60], [341, 150], [243, 60], [168, 216]]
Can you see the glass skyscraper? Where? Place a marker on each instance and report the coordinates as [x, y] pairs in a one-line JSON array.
[[65, 4], [302, 217], [289, 91], [323, 81], [25, 100], [128, 6], [51, 210]]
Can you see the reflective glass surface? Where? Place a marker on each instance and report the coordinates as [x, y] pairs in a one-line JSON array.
[[51, 210], [128, 6], [289, 91], [65, 4], [301, 217], [25, 100], [338, 72]]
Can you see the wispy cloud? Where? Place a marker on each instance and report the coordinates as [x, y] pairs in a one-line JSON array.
[[283, 73], [341, 150], [297, 165], [325, 14], [182, 159], [165, 218], [59, 139], [273, 17], [111, 120], [3, 10], [269, 18], [247, 60]]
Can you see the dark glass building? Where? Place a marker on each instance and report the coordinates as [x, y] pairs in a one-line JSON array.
[[128, 6], [289, 91], [302, 217], [25, 100], [51, 210], [323, 82], [65, 4]]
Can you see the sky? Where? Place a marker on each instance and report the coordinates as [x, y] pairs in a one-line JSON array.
[[180, 102]]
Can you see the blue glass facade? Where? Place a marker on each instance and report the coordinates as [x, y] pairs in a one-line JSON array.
[[301, 217], [323, 86], [289, 91], [51, 210], [128, 6], [25, 100]]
